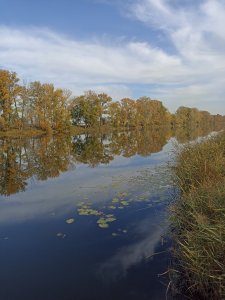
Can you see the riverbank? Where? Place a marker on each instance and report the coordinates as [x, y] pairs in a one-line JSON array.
[[182, 134], [73, 130], [198, 220], [15, 133]]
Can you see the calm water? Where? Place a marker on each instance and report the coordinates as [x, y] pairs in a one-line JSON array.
[[85, 217]]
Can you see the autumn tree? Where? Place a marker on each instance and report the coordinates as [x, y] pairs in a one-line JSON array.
[[9, 92], [105, 101], [115, 114], [90, 109], [49, 106], [151, 112], [192, 117], [128, 112], [187, 117]]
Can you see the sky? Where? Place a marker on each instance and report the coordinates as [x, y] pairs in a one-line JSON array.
[[171, 50]]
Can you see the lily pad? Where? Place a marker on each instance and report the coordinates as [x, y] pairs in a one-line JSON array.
[[61, 235], [115, 200], [124, 202], [124, 194], [103, 221], [112, 207], [70, 221], [110, 219], [85, 211], [115, 234], [103, 225]]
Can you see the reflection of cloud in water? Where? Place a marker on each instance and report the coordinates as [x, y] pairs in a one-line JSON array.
[[128, 256]]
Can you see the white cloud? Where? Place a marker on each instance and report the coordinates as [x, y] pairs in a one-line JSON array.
[[127, 256], [196, 32], [193, 75], [83, 62]]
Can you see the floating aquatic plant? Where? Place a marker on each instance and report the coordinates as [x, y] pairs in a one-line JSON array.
[[61, 235], [114, 234], [119, 232], [103, 221], [88, 212], [112, 207], [103, 225], [70, 221], [115, 200], [124, 202]]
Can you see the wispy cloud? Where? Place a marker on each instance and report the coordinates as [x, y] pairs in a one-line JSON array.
[[90, 61], [193, 75], [117, 266], [196, 32]]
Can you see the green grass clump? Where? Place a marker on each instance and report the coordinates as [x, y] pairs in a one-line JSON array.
[[198, 219]]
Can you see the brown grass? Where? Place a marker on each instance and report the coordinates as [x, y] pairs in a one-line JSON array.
[[198, 219]]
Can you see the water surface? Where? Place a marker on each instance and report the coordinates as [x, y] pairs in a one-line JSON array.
[[85, 217]]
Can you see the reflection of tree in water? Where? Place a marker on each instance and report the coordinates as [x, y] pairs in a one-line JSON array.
[[152, 141], [21, 159], [91, 150], [48, 156], [51, 156], [184, 135], [13, 171], [95, 149], [142, 142]]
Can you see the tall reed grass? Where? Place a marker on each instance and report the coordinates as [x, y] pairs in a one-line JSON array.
[[198, 220]]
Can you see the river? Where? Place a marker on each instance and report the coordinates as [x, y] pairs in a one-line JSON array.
[[86, 217]]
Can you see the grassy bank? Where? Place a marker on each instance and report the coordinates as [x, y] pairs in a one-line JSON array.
[[198, 219]]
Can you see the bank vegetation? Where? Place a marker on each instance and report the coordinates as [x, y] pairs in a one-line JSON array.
[[198, 220]]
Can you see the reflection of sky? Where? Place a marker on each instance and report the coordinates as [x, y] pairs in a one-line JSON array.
[[150, 233], [61, 194]]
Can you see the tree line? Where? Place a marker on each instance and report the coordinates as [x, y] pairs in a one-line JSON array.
[[42, 106]]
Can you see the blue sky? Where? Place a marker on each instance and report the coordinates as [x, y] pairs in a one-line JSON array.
[[172, 50]]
